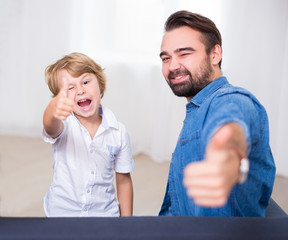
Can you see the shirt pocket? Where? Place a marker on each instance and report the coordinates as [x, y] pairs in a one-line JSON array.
[[104, 160], [190, 148], [113, 151]]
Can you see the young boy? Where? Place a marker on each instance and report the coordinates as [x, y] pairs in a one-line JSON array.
[[88, 144]]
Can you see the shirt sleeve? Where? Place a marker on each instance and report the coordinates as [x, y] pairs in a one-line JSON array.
[[48, 139], [124, 162], [230, 107]]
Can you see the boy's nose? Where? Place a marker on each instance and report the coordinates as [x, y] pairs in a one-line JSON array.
[[80, 90]]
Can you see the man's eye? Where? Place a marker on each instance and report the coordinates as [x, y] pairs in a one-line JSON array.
[[165, 59]]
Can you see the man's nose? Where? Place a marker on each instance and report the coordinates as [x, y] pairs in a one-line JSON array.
[[174, 64]]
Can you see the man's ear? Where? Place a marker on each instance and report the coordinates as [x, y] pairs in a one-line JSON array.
[[216, 54]]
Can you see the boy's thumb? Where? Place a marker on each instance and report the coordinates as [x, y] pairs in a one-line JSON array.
[[64, 87]]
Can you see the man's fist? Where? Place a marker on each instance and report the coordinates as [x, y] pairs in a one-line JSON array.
[[209, 182]]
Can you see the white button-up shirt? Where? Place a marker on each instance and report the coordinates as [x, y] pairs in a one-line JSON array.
[[84, 168]]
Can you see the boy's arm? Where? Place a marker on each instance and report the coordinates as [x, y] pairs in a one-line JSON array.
[[59, 108], [125, 193]]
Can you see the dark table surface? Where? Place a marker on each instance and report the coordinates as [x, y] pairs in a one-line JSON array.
[[144, 228]]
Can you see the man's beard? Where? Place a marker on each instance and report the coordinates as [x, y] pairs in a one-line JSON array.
[[195, 83]]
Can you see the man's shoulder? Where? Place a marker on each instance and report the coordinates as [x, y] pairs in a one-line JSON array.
[[235, 92], [231, 89]]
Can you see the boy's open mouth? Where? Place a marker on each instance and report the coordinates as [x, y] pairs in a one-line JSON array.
[[84, 102]]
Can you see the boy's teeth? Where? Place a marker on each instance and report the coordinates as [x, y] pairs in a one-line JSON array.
[[84, 102]]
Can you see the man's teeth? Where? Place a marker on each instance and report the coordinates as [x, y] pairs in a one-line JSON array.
[[178, 77]]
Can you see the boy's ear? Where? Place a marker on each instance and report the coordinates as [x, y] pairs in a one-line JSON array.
[[216, 54]]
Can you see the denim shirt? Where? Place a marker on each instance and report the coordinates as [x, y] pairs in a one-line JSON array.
[[215, 105]]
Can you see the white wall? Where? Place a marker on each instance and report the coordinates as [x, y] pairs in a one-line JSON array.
[[35, 33], [255, 41], [32, 34]]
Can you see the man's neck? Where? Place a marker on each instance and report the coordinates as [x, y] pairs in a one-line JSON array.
[[216, 74]]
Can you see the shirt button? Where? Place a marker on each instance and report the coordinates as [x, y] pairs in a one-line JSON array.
[[91, 151], [92, 172], [88, 191]]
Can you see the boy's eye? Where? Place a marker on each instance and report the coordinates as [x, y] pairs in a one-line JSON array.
[[70, 88], [86, 82]]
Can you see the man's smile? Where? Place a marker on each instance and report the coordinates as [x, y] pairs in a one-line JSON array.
[[179, 78]]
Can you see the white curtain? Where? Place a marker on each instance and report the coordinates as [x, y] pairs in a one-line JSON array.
[[255, 37], [124, 36]]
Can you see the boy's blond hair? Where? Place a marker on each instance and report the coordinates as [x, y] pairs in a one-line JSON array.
[[76, 64]]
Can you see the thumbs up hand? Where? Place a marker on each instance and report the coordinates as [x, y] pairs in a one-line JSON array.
[[209, 182], [60, 107], [63, 102]]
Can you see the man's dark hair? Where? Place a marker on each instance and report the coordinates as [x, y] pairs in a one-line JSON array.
[[210, 33]]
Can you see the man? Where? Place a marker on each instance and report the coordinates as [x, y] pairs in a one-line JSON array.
[[222, 164]]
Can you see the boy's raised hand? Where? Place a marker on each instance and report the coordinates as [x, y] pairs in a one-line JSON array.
[[63, 104]]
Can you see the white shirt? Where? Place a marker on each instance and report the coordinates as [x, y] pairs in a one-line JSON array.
[[84, 168]]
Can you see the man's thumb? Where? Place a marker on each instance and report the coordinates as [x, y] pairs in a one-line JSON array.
[[220, 138]]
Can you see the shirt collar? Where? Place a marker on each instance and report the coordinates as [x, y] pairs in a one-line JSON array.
[[108, 118], [200, 97]]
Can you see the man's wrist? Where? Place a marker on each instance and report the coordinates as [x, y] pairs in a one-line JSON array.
[[244, 164]]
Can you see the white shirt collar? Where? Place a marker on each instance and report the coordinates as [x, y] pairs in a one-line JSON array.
[[108, 118]]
